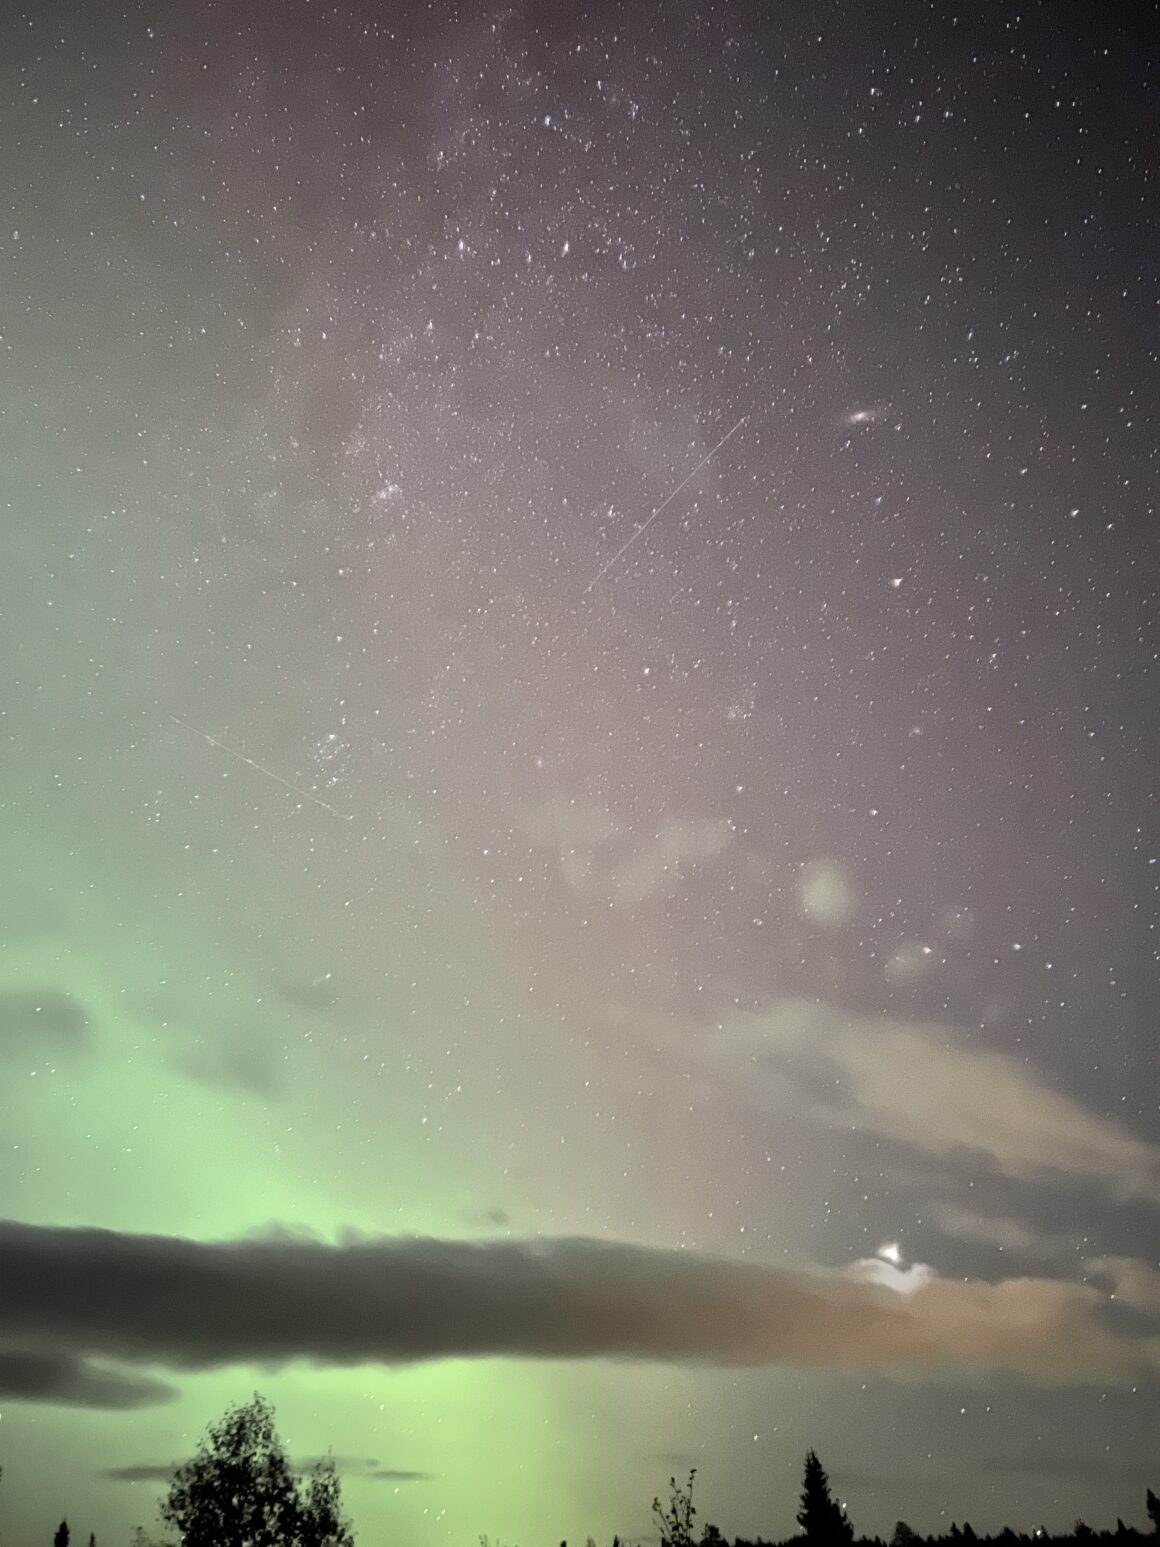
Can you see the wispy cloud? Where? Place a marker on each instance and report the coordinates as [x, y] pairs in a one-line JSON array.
[[912, 1084], [599, 856], [984, 1229], [41, 1021], [349, 1466], [1134, 1283], [188, 1304], [390, 1474], [143, 1472], [919, 1085], [1002, 1230], [655, 866]]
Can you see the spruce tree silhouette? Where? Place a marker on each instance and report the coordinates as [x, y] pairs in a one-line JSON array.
[[1152, 1505], [822, 1519], [240, 1491], [61, 1537]]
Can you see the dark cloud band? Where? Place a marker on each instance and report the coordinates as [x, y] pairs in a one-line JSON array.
[[29, 1375], [187, 1304]]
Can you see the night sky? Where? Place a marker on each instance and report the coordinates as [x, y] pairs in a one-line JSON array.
[[579, 700]]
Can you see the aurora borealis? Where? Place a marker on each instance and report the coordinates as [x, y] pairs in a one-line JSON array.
[[578, 745]]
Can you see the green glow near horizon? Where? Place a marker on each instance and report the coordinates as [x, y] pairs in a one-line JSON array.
[[152, 1150]]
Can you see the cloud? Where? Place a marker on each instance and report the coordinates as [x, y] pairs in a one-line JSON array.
[[144, 1472], [238, 1058], [827, 894], [1001, 1230], [236, 1054], [1058, 1466], [195, 1305], [64, 1380], [40, 1021], [890, 1275], [655, 867], [912, 1083], [1134, 1283], [348, 1466], [598, 857], [362, 1466], [566, 822]]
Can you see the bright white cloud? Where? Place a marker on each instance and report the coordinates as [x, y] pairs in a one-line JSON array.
[[826, 893], [890, 1274]]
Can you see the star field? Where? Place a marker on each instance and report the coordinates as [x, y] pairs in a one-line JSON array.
[[578, 664]]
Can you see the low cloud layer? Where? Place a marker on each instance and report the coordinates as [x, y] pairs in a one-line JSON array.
[[186, 1304], [348, 1466], [62, 1379], [143, 1472]]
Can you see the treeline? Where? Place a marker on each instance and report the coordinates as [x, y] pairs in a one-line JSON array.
[[62, 1535], [824, 1523], [240, 1490]]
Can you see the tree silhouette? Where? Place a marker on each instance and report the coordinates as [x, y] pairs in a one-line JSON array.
[[1152, 1505], [821, 1518], [61, 1537], [322, 1522], [676, 1523], [239, 1490]]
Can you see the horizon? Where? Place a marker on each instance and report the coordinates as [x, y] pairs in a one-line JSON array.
[[679, 1526]]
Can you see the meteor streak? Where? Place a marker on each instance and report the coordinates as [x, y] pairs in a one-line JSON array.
[[343, 816], [668, 500]]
